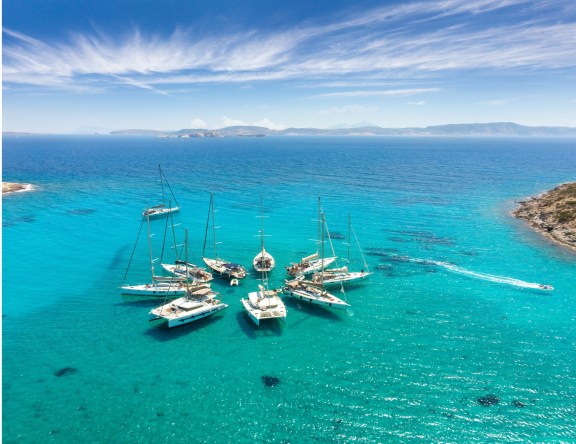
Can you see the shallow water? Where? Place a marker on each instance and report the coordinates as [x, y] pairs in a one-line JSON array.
[[410, 359]]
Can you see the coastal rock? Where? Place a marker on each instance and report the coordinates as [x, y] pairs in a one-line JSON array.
[[13, 187], [270, 381], [488, 400], [553, 214]]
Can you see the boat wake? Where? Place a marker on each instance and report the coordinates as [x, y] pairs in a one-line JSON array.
[[485, 277]]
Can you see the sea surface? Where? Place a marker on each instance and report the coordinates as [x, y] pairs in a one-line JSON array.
[[451, 316]]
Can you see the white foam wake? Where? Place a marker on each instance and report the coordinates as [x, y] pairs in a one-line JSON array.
[[486, 277]]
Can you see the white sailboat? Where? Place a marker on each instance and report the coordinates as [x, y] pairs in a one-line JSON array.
[[159, 286], [199, 302], [187, 270], [314, 292], [342, 276], [314, 262], [263, 261], [224, 268], [165, 207]]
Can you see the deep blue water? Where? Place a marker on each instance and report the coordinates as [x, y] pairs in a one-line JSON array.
[[419, 346]]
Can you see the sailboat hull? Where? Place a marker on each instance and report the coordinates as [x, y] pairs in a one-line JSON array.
[[312, 297], [157, 212], [154, 290]]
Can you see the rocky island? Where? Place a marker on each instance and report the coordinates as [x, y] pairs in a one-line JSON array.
[[553, 214], [13, 187]]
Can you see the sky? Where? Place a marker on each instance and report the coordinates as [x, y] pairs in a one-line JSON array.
[[86, 65]]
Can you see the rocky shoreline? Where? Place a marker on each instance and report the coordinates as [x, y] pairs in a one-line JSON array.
[[13, 187], [553, 214]]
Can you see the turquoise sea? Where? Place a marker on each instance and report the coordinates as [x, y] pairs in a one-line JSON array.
[[438, 325]]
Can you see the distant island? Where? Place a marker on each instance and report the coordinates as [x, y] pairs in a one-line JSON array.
[[456, 129], [468, 129], [553, 214]]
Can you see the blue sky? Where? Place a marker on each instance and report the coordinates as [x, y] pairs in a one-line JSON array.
[[167, 65]]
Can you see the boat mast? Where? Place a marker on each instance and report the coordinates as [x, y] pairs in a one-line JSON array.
[[349, 238], [150, 247], [322, 271], [207, 224], [213, 225], [162, 184]]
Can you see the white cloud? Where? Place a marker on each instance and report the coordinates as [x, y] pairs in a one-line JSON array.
[[198, 123], [418, 103], [383, 43], [350, 109], [226, 121], [380, 93]]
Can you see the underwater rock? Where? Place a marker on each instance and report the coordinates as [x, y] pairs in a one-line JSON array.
[[488, 400], [518, 404], [270, 381], [336, 235], [81, 211], [65, 371]]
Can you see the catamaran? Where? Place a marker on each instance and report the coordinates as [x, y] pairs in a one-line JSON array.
[[165, 207], [263, 261], [198, 303], [314, 262], [223, 267], [264, 304], [159, 286], [339, 276], [314, 292]]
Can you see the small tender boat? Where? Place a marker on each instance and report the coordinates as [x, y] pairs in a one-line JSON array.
[[264, 304], [234, 282]]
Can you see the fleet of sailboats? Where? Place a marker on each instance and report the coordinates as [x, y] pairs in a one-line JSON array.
[[188, 293]]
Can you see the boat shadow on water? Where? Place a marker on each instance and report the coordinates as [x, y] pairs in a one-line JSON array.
[[159, 330], [312, 310], [269, 327]]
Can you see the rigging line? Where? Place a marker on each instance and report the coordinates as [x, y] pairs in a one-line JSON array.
[[169, 187], [165, 232], [206, 232], [133, 250], [361, 252]]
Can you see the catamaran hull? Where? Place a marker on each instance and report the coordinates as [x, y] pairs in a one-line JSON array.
[[190, 317], [257, 316], [313, 299]]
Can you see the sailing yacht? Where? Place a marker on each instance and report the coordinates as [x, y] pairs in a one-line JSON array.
[[165, 207], [159, 286], [187, 270], [339, 276], [314, 292], [314, 262], [263, 261], [224, 268], [199, 302]]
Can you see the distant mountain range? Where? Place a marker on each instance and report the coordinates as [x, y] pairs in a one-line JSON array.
[[466, 129], [463, 129]]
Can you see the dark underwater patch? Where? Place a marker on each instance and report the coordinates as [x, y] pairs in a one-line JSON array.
[[81, 211], [518, 404], [488, 400], [270, 381], [65, 371], [336, 235]]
